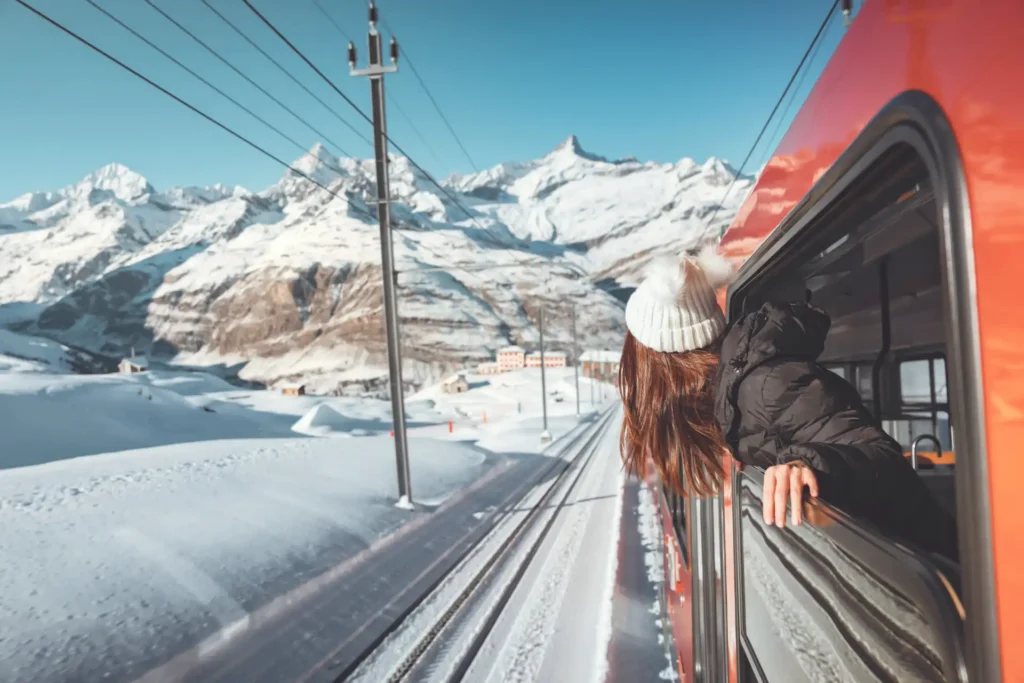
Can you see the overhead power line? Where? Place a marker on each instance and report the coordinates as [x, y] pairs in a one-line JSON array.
[[772, 142], [768, 121], [166, 54], [321, 135], [391, 98], [331, 19], [352, 104], [262, 150], [285, 71], [437, 107], [193, 108], [416, 131], [270, 155]]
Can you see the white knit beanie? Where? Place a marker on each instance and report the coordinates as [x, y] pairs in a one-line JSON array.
[[675, 309]]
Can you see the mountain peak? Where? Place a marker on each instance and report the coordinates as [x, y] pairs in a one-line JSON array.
[[718, 171], [319, 164], [118, 179], [571, 145]]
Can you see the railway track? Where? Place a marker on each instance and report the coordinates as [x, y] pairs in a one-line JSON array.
[[416, 636]]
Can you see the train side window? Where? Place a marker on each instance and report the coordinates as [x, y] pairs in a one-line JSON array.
[[871, 260], [923, 408]]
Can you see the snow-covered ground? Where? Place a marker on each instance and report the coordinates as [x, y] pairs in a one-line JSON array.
[[141, 512], [586, 608], [557, 625]]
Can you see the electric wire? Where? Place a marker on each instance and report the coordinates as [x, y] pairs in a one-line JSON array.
[[391, 101], [437, 107], [415, 72], [772, 141], [768, 121], [194, 37], [171, 57], [352, 104], [286, 72], [222, 126]]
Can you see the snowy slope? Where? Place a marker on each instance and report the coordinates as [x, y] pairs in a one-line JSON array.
[[284, 284], [20, 354]]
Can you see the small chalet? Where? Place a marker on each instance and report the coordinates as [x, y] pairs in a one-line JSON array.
[[133, 364], [294, 389], [456, 384]]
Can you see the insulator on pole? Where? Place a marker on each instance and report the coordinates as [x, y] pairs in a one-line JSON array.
[[394, 50], [373, 14], [351, 54], [847, 6]]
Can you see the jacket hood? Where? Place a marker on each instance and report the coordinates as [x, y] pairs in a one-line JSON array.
[[795, 331]]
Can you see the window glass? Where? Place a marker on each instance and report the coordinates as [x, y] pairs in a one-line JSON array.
[[863, 383], [939, 373], [915, 383], [838, 369]]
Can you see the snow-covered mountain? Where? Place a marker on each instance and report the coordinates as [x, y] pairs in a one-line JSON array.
[[285, 283]]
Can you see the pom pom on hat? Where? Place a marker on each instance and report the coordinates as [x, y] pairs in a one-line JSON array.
[[675, 308], [717, 269], [665, 278]]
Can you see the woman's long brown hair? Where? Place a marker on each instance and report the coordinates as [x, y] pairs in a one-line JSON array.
[[669, 423]]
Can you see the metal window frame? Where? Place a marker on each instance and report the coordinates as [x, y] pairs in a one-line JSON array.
[[913, 118]]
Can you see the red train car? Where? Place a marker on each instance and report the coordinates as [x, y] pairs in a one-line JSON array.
[[896, 203]]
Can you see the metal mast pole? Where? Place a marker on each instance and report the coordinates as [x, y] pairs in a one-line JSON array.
[[545, 435], [375, 72], [575, 358]]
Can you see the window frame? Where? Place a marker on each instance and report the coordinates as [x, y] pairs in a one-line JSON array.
[[916, 120]]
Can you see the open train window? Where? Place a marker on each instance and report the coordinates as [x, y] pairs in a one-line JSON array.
[[868, 245]]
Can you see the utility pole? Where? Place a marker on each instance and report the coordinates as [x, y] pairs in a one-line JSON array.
[[545, 436], [375, 71], [575, 359]]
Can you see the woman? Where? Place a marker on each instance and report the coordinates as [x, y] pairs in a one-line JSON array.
[[691, 388]]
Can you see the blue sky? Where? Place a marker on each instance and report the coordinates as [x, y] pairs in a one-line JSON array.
[[655, 79]]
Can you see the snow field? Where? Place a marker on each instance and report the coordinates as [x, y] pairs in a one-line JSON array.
[[100, 555], [141, 512]]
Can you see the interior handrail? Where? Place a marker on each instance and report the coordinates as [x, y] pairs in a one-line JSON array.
[[913, 447]]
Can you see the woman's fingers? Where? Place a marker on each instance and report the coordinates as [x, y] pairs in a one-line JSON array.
[[768, 497], [784, 483], [810, 481], [781, 491], [796, 493]]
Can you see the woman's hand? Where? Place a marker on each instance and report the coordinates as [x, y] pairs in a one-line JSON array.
[[782, 481]]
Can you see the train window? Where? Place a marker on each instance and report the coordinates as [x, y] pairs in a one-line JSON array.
[[863, 380], [871, 260], [924, 410]]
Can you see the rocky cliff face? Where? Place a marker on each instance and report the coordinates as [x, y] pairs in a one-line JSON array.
[[285, 284]]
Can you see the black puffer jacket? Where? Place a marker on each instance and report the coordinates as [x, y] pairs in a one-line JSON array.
[[775, 405]]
